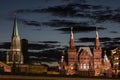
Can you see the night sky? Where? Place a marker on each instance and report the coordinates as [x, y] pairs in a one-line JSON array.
[[49, 22]]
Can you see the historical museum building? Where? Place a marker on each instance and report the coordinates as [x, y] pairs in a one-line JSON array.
[[85, 62]]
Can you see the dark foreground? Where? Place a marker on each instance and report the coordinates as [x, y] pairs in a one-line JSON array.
[[21, 77]]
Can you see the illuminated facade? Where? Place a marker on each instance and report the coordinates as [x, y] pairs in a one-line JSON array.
[[85, 62], [115, 60]]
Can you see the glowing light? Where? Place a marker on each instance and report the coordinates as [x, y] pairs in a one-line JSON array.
[[71, 67]]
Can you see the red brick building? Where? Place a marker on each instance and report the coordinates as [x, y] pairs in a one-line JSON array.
[[84, 62]]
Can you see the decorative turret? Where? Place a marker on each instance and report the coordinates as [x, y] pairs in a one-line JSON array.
[[62, 64], [106, 61], [71, 43], [107, 66], [105, 57]]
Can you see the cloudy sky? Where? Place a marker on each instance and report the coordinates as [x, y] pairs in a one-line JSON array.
[[46, 24], [49, 21]]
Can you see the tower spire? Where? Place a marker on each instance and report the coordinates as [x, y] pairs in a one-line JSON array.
[[97, 42], [97, 55], [97, 36], [15, 28], [15, 56], [72, 33], [71, 43]]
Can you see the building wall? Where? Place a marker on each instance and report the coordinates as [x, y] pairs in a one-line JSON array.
[[4, 67], [97, 54], [72, 56], [34, 69], [72, 61]]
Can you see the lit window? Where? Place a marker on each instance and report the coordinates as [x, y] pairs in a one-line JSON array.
[[84, 66], [71, 67], [87, 66], [81, 66]]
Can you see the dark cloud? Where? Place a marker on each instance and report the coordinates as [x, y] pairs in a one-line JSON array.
[[34, 46], [5, 45], [78, 26], [98, 12], [49, 42], [62, 10], [71, 10], [63, 23], [57, 23], [113, 32], [32, 23], [80, 29], [24, 11], [116, 39], [75, 1], [116, 17], [111, 44], [37, 29], [103, 39], [47, 55], [41, 46], [86, 39]]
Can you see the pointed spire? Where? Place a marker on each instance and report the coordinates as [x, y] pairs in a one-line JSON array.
[[72, 33], [97, 36], [105, 57], [15, 28], [97, 42], [71, 39]]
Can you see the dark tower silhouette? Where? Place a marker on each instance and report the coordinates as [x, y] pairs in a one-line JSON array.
[[24, 43]]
